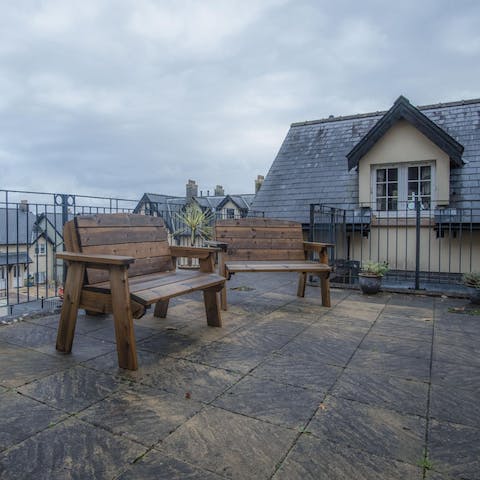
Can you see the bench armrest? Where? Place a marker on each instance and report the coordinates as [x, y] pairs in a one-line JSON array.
[[317, 245], [192, 252], [219, 245], [95, 259]]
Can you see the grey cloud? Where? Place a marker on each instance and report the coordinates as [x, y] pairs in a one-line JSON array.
[[121, 97]]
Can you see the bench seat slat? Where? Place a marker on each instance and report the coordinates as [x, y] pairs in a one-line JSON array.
[[203, 281], [150, 289], [276, 267]]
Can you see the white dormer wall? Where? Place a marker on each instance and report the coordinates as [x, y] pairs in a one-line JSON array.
[[403, 143]]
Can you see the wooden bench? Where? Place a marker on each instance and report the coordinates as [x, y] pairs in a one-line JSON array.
[[270, 245], [122, 264]]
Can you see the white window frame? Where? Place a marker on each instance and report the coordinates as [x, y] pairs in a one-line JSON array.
[[404, 204]]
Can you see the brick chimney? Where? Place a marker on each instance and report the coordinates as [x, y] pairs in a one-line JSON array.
[[219, 191], [191, 190], [259, 182]]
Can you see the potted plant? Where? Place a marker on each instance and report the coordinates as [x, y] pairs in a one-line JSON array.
[[370, 276], [472, 282], [195, 223]]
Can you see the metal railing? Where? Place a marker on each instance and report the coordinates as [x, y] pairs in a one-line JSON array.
[[426, 249], [31, 233]]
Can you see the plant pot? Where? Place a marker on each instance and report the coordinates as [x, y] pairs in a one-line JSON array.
[[474, 295], [369, 284]]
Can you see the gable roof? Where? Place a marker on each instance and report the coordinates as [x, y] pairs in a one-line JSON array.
[[312, 166], [403, 109], [16, 226]]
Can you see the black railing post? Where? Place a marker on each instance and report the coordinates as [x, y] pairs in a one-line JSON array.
[[64, 200], [417, 244]]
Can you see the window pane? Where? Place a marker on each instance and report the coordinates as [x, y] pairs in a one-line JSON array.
[[412, 173], [425, 173], [425, 188], [426, 203], [412, 188], [381, 175], [381, 204], [381, 190], [392, 174], [392, 204], [392, 189]]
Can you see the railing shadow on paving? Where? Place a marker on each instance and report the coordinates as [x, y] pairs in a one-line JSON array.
[[31, 233], [427, 249]]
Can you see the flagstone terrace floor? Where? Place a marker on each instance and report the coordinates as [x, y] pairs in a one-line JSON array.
[[286, 390]]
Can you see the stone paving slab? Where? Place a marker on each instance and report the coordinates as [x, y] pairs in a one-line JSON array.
[[316, 459], [286, 389], [21, 417], [410, 368], [158, 466], [397, 346], [21, 365], [379, 431], [73, 389], [299, 371], [277, 403], [69, 450], [199, 382], [143, 414], [404, 396], [456, 375], [456, 405], [248, 448], [454, 450]]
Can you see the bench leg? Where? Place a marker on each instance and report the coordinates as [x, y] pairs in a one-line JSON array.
[[212, 309], [325, 288], [161, 309], [122, 316], [71, 301], [302, 280], [223, 297]]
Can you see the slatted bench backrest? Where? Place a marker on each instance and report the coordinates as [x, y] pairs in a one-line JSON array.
[[258, 239], [139, 236]]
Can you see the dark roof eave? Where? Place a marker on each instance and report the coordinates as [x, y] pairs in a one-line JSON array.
[[402, 109]]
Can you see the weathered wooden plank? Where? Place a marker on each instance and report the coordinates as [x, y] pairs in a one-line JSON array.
[[117, 220], [229, 235], [265, 243], [123, 319], [267, 222], [102, 259], [70, 237], [161, 309], [153, 295], [277, 267], [71, 301], [136, 250], [264, 254], [212, 309], [141, 267], [116, 235], [101, 302]]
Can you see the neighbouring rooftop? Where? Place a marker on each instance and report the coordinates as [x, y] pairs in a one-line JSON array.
[[376, 387]]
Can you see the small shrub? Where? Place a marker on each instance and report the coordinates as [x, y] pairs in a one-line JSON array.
[[472, 279], [377, 269]]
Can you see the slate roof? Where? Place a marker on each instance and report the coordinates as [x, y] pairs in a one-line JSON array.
[[312, 165], [16, 226], [13, 258]]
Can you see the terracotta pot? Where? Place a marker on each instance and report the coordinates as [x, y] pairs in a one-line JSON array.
[[369, 284]]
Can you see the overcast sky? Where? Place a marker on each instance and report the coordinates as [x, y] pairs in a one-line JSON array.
[[121, 97]]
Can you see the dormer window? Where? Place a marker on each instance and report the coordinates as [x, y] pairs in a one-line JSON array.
[[399, 187]]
